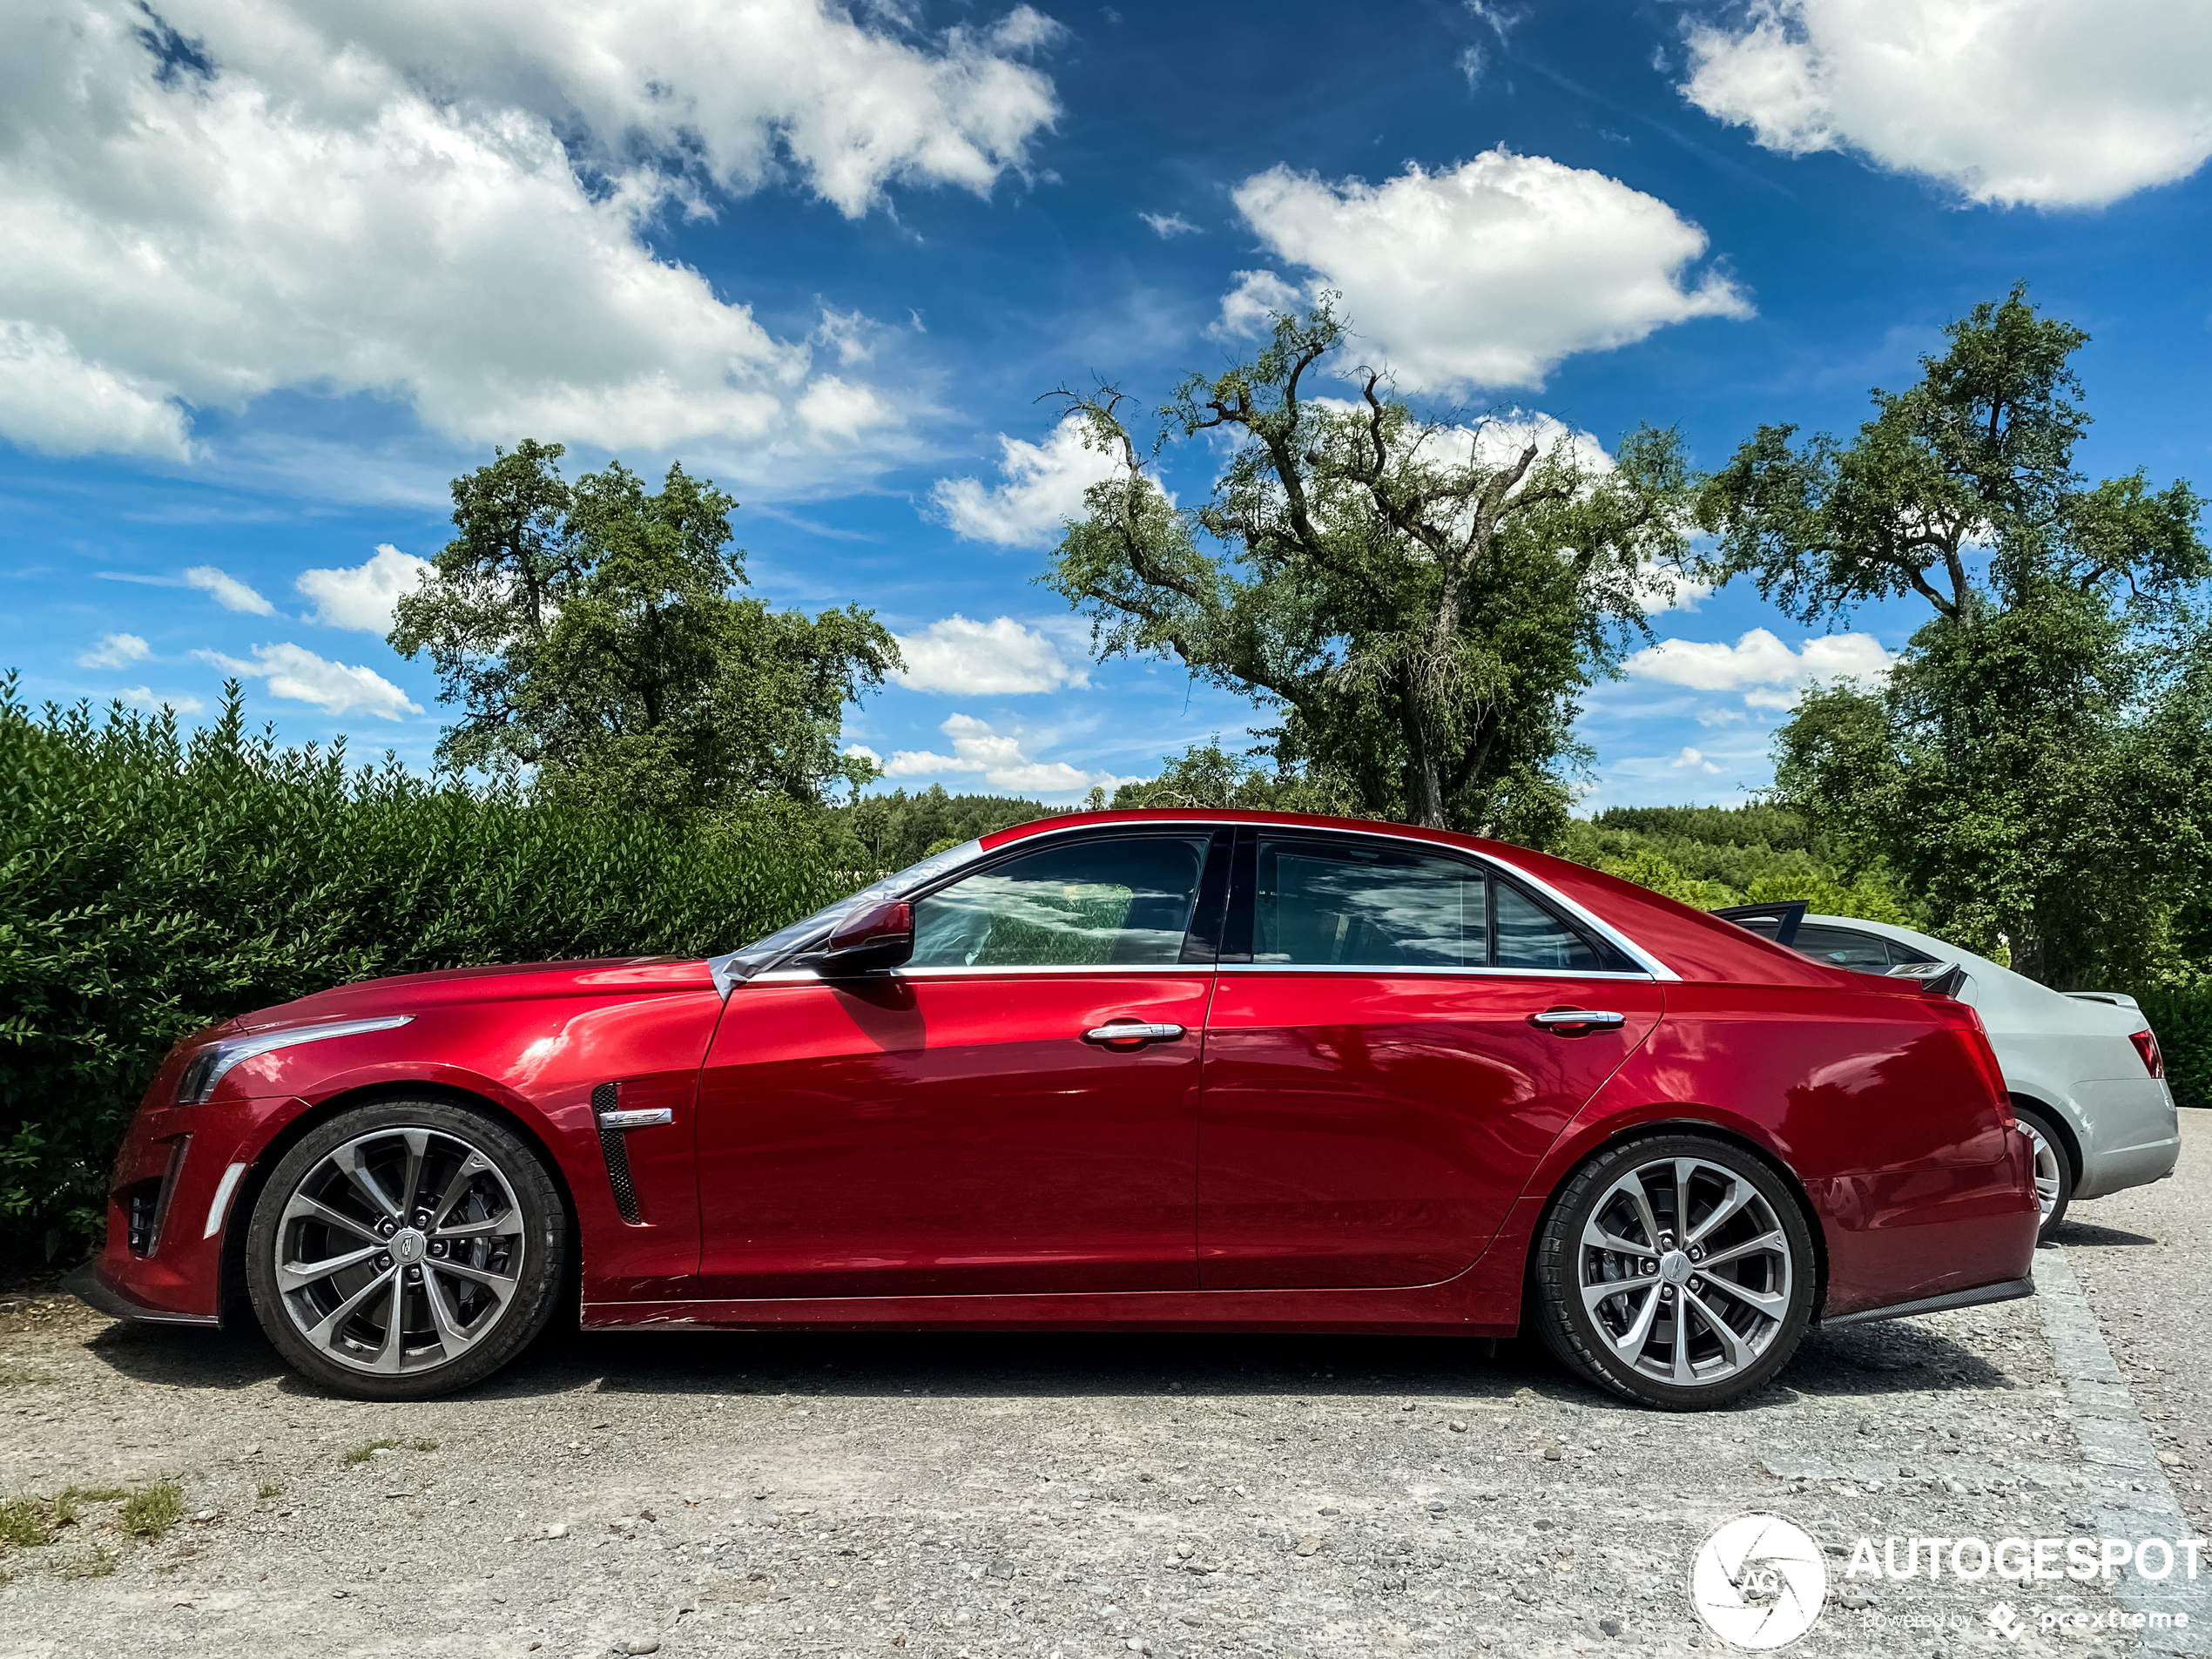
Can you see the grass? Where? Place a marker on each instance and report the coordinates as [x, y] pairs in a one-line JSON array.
[[99, 1564], [33, 1522], [270, 1490], [426, 1445], [152, 1511], [26, 1523], [13, 1376], [366, 1450]]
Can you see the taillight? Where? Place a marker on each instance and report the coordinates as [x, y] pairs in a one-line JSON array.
[[2145, 1041], [1974, 1038]]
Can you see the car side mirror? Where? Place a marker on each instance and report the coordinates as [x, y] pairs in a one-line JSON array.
[[883, 937]]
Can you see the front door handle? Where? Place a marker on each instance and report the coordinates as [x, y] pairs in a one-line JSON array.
[[1133, 1031], [1577, 1019]]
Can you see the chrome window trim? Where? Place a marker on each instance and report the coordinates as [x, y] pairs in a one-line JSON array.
[[1653, 968], [1185, 970]]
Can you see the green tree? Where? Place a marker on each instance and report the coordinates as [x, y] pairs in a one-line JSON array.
[[2030, 767], [588, 630], [1423, 612]]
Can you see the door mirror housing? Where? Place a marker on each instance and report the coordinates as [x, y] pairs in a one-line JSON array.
[[881, 938]]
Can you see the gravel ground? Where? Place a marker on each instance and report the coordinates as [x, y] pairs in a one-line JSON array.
[[962, 1494]]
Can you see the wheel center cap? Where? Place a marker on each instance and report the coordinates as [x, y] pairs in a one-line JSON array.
[[408, 1246], [1674, 1267]]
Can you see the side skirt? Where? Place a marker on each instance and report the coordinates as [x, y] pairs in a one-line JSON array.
[[2005, 1291]]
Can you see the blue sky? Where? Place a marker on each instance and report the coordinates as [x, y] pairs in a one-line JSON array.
[[275, 274]]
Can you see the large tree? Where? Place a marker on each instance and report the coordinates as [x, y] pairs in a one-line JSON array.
[[2030, 767], [1422, 601], [588, 633]]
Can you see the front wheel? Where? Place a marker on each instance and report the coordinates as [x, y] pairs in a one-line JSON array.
[[1677, 1271], [405, 1249]]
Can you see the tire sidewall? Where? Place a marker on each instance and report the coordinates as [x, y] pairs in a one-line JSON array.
[[544, 1256], [2049, 1131], [1571, 1331]]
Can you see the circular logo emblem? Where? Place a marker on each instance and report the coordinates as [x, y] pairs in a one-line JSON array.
[[406, 1246], [1758, 1582]]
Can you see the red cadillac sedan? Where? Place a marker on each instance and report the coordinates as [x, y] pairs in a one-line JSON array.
[[1166, 1070]]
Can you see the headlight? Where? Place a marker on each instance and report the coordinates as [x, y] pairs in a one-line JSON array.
[[205, 1069]]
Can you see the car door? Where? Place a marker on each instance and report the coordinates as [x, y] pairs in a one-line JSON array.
[[969, 1122], [1390, 1051]]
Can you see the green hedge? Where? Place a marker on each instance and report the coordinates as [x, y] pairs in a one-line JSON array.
[[151, 884], [2183, 1023]]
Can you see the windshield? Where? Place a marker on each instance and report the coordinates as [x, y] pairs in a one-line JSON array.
[[744, 963]]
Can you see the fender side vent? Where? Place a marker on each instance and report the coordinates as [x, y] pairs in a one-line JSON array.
[[616, 1153]]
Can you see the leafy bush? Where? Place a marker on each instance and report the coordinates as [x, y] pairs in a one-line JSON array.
[[153, 883], [2182, 1020]]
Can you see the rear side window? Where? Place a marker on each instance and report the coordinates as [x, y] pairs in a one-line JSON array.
[[1320, 904], [1123, 901], [1848, 947], [1328, 904]]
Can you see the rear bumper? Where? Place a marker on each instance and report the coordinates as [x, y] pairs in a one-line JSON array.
[[2131, 1134]]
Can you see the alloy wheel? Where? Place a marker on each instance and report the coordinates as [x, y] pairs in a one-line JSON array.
[[399, 1251], [2048, 1180], [1686, 1271]]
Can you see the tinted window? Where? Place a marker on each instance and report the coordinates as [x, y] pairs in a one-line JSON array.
[[1845, 948], [1530, 936], [1126, 900], [1320, 905]]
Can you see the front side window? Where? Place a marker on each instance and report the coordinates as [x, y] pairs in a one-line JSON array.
[[1120, 902]]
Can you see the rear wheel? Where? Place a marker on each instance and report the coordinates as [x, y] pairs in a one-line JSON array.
[[2054, 1168], [405, 1249], [1677, 1271]]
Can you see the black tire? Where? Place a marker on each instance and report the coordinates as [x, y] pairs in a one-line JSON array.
[[2054, 1167], [1762, 1245], [495, 1256]]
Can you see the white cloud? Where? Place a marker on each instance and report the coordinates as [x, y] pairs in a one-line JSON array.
[[1485, 274], [1003, 760], [1167, 225], [862, 751], [1769, 673], [1693, 761], [1042, 486], [298, 674], [141, 697], [362, 596], [452, 205], [227, 591], [51, 399], [986, 659], [115, 651], [2041, 103]]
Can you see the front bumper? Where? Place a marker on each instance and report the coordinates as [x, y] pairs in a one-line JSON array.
[[172, 1202], [87, 1286]]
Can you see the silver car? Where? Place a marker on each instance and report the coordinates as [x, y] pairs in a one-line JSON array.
[[2088, 1083]]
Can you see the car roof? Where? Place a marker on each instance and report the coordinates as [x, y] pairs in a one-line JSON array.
[[1693, 944]]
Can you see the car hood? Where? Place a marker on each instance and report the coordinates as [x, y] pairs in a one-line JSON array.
[[604, 978]]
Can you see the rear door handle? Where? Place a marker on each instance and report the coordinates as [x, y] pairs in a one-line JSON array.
[[1577, 1018], [1133, 1031]]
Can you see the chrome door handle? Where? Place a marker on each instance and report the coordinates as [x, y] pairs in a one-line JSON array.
[[1568, 1019], [644, 1117], [1133, 1031]]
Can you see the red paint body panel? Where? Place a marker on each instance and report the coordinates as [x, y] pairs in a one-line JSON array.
[[946, 1135], [1320, 1150], [1374, 1128]]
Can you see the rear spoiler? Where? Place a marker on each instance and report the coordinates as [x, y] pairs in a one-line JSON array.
[[1787, 915], [1937, 979]]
